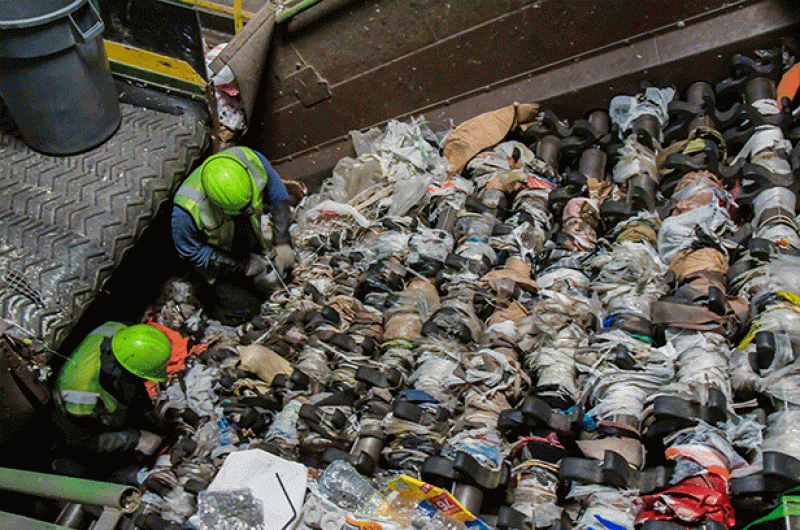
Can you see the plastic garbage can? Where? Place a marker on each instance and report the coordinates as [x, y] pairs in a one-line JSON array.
[[54, 74]]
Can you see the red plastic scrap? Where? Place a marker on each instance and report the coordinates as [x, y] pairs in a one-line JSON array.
[[551, 439], [537, 183], [703, 496], [177, 358]]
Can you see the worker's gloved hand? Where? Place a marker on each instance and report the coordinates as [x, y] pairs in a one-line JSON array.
[[220, 262], [256, 265], [284, 258], [148, 442]]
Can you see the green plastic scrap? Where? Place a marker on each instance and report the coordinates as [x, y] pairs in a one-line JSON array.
[[789, 507]]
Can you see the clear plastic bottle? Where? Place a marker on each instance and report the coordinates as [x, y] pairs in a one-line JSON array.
[[345, 486]]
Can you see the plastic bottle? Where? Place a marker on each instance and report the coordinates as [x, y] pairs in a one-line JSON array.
[[224, 432], [345, 486]]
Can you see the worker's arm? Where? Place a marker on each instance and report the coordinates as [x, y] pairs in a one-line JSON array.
[[131, 440], [116, 442], [85, 435], [189, 242], [277, 197]]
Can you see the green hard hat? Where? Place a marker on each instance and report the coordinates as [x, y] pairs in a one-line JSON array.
[[142, 350], [227, 183]]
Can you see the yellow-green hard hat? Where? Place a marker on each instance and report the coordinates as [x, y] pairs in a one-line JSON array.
[[227, 183], [142, 350]]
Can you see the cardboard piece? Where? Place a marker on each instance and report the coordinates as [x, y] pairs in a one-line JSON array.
[[516, 270], [263, 362], [245, 55], [514, 312], [482, 131]]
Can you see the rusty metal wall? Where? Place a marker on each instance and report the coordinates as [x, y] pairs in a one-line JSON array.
[[370, 61]]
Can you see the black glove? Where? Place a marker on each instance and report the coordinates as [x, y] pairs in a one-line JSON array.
[[281, 219], [220, 262], [120, 441]]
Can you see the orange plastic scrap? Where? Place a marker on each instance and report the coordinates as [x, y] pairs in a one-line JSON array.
[[180, 351], [790, 83]]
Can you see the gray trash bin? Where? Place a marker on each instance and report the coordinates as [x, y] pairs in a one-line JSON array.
[[54, 74]]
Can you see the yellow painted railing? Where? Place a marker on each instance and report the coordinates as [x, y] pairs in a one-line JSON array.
[[239, 15]]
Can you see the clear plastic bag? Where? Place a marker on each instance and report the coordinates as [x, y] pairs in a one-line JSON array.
[[353, 176], [409, 189], [436, 244], [783, 432]]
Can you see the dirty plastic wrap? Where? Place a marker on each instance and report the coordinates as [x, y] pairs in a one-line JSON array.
[[485, 445], [199, 392], [633, 271], [783, 432], [678, 232], [746, 433], [635, 160], [624, 392], [613, 509], [624, 110], [554, 335], [780, 198], [702, 362], [701, 450], [536, 493], [177, 505], [781, 378], [766, 138], [233, 510], [783, 321], [436, 376], [774, 276]]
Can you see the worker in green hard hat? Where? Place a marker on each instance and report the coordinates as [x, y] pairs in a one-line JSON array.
[[216, 226], [102, 411]]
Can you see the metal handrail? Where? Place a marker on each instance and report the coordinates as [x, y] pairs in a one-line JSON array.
[[236, 11], [115, 499], [10, 521]]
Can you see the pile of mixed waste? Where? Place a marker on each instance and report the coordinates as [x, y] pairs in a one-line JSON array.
[[515, 323]]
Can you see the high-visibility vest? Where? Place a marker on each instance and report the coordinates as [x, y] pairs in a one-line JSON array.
[[210, 219], [78, 389]]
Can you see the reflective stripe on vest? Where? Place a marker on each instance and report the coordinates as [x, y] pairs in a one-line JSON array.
[[259, 181], [77, 389], [209, 219], [78, 397], [104, 330], [193, 194]]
